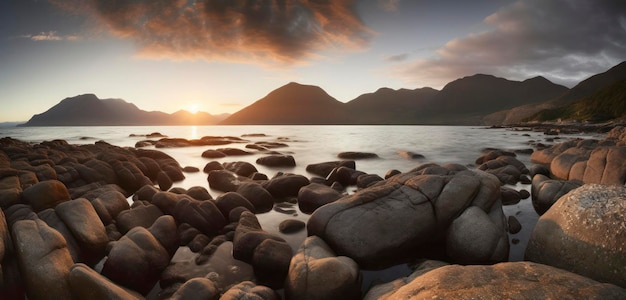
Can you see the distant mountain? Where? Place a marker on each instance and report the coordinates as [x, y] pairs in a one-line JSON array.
[[10, 124], [388, 106], [89, 110], [582, 90], [292, 103], [463, 101]]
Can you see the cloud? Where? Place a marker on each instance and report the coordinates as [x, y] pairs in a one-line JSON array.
[[389, 5], [563, 40], [396, 58], [284, 31], [50, 36]]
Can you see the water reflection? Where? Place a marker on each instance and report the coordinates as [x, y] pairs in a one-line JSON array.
[[194, 132]]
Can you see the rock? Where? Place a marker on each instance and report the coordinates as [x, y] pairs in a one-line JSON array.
[[191, 169], [52, 219], [212, 166], [314, 195], [539, 169], [45, 194], [85, 283], [146, 192], [545, 192], [109, 205], [241, 168], [510, 196], [198, 242], [43, 259], [291, 226], [197, 288], [474, 239], [248, 290], [136, 260], [345, 176], [83, 221], [271, 262], [248, 236], [199, 193], [366, 180], [10, 191], [164, 181], [584, 232], [509, 280], [514, 225], [233, 152], [410, 155], [405, 215], [315, 272], [356, 155], [287, 185], [223, 180], [143, 216], [562, 164], [203, 215], [493, 154], [277, 161], [228, 201], [324, 169], [165, 231], [392, 173], [262, 200], [167, 201]]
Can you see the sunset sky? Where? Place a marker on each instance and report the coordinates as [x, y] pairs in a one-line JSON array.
[[221, 55]]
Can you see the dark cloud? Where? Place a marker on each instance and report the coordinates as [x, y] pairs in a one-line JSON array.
[[564, 40], [275, 30]]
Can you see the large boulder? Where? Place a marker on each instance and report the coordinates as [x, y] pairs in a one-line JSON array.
[[407, 215], [546, 191], [315, 272], [197, 288], [45, 194], [109, 204], [43, 259], [140, 215], [203, 215], [277, 161], [241, 168], [324, 169], [85, 283], [584, 232], [508, 280], [286, 185], [249, 290], [83, 221], [262, 200]]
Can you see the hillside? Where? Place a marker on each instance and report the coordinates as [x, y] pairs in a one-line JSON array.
[[607, 104], [584, 89], [89, 110], [388, 106], [292, 103]]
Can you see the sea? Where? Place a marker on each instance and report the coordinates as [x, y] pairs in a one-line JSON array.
[[315, 144]]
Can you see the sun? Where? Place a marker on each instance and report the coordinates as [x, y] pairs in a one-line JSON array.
[[194, 108]]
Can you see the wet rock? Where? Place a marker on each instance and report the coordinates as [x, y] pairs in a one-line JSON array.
[[109, 205], [392, 173], [271, 262], [277, 161], [314, 195], [291, 226], [224, 181], [286, 185], [324, 169], [234, 152], [212, 166], [262, 200], [510, 196], [514, 225], [143, 215], [197, 288], [248, 290], [311, 268], [85, 283], [410, 155], [584, 232], [10, 191], [366, 180], [356, 155], [199, 193], [190, 169], [345, 176], [228, 201], [164, 181], [511, 280], [203, 215], [240, 168], [45, 194]]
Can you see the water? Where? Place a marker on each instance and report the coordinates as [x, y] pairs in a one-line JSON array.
[[314, 144]]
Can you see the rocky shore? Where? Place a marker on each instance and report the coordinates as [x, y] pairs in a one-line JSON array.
[[98, 221]]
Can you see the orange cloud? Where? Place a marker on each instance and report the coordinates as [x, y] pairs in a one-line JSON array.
[[284, 31]]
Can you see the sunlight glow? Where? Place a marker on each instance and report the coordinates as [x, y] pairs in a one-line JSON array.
[[194, 108]]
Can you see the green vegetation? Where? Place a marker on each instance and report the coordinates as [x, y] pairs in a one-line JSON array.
[[607, 104]]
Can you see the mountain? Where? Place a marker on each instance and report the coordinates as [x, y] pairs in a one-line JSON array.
[[89, 110], [463, 101], [292, 103], [584, 89], [607, 104], [388, 106]]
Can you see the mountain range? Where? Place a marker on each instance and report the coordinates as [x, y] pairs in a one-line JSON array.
[[471, 100]]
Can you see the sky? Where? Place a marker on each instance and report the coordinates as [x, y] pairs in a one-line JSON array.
[[219, 56]]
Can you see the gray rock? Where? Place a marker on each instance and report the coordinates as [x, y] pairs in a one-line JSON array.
[[545, 192], [314, 195], [262, 200], [584, 232], [277, 161], [83, 221]]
